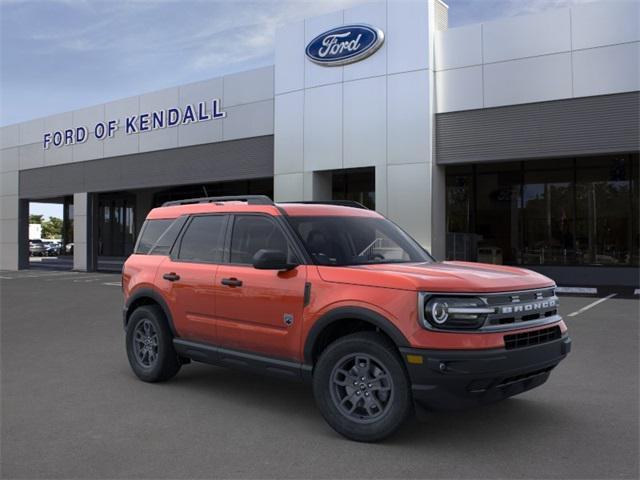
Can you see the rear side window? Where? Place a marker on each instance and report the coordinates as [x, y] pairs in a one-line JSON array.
[[167, 239], [203, 241], [151, 231]]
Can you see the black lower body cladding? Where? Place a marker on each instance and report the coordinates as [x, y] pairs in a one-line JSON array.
[[452, 379]]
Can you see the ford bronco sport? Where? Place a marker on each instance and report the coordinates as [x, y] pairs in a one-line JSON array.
[[338, 296]]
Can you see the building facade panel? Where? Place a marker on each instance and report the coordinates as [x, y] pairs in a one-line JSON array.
[[289, 133], [408, 117], [459, 89], [365, 110], [409, 42], [288, 187], [409, 203], [9, 136], [31, 156], [527, 80], [248, 120], [458, 47], [289, 58], [603, 70], [224, 161], [9, 159], [323, 127], [605, 23], [526, 36], [573, 126], [248, 87]]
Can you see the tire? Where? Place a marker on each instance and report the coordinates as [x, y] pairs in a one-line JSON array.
[[150, 345], [384, 402]]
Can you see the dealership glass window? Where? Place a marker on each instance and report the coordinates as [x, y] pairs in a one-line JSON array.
[[604, 210], [571, 211], [461, 243], [257, 186], [356, 184], [548, 225], [498, 203], [116, 226]]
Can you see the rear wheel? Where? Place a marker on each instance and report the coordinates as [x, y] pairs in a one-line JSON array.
[[361, 387], [150, 345]]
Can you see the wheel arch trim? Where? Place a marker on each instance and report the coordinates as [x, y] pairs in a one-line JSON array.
[[351, 313], [157, 298]]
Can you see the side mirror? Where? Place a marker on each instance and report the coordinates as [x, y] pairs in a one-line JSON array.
[[272, 260]]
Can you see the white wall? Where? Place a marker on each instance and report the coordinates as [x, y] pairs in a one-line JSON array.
[[372, 113], [589, 49]]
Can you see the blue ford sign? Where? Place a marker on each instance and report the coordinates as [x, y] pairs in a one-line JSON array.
[[343, 45]]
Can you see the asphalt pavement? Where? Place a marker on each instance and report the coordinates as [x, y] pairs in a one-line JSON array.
[[72, 408]]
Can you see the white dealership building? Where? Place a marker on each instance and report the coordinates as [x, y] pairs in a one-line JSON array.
[[513, 141]]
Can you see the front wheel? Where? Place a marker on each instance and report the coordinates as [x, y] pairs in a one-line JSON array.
[[150, 345], [361, 387]]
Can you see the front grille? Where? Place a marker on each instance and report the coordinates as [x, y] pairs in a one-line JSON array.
[[516, 307], [535, 337]]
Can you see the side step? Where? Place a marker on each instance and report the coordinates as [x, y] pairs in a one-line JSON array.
[[222, 357]]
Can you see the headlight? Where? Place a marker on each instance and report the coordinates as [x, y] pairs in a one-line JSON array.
[[455, 312]]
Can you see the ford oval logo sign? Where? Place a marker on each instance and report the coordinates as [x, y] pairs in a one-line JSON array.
[[343, 45]]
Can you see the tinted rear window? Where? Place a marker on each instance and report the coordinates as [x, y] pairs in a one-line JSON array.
[[203, 241], [151, 231]]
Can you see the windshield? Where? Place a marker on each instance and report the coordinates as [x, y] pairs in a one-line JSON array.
[[341, 241]]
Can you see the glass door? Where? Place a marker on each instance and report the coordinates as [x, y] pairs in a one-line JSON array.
[[116, 225]]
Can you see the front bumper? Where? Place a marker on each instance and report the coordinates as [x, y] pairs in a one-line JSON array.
[[451, 379]]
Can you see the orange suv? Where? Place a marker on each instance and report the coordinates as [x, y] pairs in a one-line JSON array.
[[337, 295]]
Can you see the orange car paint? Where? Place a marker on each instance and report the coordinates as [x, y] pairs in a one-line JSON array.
[[250, 318]]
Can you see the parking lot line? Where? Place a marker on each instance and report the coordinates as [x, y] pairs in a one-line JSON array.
[[591, 305], [48, 274], [586, 290], [114, 284]]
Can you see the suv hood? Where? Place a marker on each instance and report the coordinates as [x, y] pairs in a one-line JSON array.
[[460, 277]]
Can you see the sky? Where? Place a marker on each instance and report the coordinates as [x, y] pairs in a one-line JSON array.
[[61, 55]]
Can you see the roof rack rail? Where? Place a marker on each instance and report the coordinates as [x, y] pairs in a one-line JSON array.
[[342, 203], [250, 199]]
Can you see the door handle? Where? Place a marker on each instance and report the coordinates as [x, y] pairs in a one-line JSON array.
[[172, 277], [231, 282]]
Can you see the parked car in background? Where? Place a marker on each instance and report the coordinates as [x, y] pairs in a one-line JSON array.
[[54, 249], [68, 248], [37, 248]]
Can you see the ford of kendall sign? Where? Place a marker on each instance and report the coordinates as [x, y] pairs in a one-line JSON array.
[[139, 123], [344, 45]]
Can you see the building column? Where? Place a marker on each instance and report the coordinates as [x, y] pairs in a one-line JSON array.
[[83, 252], [9, 218]]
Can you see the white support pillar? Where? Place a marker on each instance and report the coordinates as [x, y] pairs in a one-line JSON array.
[[81, 231]]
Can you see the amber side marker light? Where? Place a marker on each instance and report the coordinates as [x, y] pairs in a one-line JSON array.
[[414, 359]]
